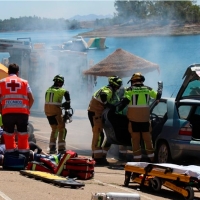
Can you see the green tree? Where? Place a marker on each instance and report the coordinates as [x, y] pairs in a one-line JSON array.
[[180, 11]]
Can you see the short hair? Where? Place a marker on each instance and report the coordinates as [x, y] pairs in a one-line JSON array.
[[13, 68]]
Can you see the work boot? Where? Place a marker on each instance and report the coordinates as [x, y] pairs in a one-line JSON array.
[[52, 151], [61, 151]]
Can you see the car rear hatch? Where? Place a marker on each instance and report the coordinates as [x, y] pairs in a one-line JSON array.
[[190, 88]]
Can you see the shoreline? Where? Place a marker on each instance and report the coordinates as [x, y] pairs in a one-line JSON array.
[[142, 31]]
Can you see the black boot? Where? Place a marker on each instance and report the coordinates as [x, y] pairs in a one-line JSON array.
[[101, 162]]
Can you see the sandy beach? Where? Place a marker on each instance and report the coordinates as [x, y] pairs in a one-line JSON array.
[[143, 30]]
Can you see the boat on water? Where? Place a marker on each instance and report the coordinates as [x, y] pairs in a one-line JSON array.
[[20, 43], [79, 44]]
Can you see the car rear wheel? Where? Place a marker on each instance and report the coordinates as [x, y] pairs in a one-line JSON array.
[[163, 154]]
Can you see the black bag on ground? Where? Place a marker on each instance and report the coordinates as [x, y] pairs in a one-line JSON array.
[[14, 162]]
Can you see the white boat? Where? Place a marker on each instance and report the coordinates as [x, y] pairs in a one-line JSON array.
[[79, 44], [16, 44]]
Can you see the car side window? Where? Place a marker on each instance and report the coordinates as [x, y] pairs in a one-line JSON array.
[[184, 111], [160, 109]]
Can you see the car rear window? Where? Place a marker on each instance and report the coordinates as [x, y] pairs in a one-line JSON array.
[[193, 88]]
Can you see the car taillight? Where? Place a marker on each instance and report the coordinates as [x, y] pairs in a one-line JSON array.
[[185, 131]]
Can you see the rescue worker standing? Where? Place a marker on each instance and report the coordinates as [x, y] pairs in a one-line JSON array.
[[100, 100], [52, 108], [137, 97], [16, 102]]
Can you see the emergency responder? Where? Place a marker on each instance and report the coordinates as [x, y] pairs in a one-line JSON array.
[[137, 97], [53, 103], [115, 100], [16, 102], [100, 100]]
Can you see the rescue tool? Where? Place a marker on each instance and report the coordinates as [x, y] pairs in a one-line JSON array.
[[68, 115], [53, 178]]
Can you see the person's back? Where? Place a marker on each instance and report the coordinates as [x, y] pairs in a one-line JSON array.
[[16, 102], [53, 100], [52, 108], [137, 97]]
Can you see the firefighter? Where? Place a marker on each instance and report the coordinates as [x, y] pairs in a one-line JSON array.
[[137, 97], [16, 102], [115, 100], [53, 111], [100, 100]]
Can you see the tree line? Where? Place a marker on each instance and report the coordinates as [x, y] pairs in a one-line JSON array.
[[37, 23], [127, 11], [184, 11], [163, 12]]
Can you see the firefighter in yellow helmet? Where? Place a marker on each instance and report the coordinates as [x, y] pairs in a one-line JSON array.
[[100, 100], [137, 97], [53, 102]]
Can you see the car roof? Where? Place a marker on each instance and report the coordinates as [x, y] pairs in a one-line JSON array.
[[190, 88]]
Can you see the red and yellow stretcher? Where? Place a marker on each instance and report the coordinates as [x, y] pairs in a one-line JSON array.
[[181, 179]]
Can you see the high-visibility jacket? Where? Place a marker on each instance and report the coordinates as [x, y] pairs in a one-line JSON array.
[[116, 97], [14, 95], [96, 103], [54, 96], [138, 107], [53, 100]]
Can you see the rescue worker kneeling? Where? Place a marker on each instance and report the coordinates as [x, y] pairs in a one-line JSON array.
[[137, 97], [100, 100]]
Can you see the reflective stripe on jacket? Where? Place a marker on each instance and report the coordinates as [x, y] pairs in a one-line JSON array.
[[54, 96], [105, 89], [96, 105], [14, 95], [138, 108]]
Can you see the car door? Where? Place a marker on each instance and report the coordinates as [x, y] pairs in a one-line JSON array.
[[190, 88], [158, 115]]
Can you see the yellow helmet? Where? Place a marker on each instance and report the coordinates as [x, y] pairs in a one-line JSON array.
[[115, 81], [137, 77]]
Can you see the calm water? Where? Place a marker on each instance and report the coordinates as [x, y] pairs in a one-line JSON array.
[[172, 53]]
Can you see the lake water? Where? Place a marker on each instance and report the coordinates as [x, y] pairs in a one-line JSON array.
[[172, 53]]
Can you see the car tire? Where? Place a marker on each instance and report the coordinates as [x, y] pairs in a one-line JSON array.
[[163, 154]]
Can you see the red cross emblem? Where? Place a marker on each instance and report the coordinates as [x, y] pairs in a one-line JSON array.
[[13, 86]]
